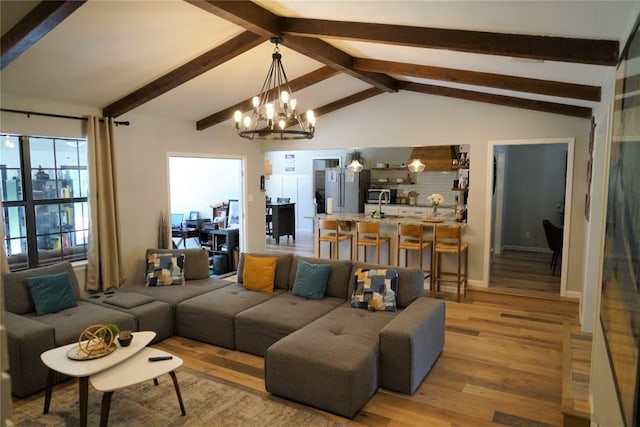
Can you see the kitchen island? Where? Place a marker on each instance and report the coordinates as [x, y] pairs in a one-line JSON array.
[[389, 228]]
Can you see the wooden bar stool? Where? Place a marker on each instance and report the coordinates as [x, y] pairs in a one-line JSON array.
[[410, 238], [333, 235], [368, 234], [448, 240]]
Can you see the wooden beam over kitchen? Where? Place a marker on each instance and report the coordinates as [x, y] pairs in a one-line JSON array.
[[509, 101], [564, 49], [36, 24], [521, 84]]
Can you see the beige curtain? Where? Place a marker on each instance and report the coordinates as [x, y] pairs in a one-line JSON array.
[[4, 263], [104, 269]]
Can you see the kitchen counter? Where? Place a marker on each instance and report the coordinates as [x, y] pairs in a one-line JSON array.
[[404, 205], [391, 219]]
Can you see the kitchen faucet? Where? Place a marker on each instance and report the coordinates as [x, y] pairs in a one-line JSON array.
[[380, 196]]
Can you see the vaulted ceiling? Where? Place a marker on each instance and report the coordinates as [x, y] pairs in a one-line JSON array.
[[201, 60]]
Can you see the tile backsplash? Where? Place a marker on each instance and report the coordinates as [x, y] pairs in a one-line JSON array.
[[427, 183]]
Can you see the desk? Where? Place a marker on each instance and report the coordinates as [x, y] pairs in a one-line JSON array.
[[185, 233], [284, 220]]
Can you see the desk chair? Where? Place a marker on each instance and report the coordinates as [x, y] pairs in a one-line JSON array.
[[410, 238], [448, 240], [554, 237], [332, 234], [368, 234]]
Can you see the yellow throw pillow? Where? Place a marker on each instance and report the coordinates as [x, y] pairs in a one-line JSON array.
[[259, 273]]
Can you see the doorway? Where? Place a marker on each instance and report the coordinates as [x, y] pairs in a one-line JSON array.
[[193, 191], [532, 179], [319, 167]]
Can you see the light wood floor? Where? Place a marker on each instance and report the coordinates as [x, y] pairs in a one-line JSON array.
[[501, 365], [525, 273]]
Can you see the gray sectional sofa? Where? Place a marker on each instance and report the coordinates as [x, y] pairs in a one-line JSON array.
[[322, 353]]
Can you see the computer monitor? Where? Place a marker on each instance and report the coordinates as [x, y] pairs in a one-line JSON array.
[[176, 220]]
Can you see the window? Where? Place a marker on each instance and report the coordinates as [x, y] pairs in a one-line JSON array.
[[44, 184]]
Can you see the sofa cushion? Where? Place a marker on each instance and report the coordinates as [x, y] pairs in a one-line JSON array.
[[339, 277], [164, 269], [332, 363], [410, 282], [258, 327], [128, 300], [196, 261], [259, 273], [311, 280], [71, 322], [17, 297], [51, 293], [210, 317], [173, 295], [375, 290], [282, 269]]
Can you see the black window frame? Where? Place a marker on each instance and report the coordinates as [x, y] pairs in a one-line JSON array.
[[30, 204]]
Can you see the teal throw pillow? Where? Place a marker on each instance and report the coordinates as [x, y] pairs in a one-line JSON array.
[[311, 280], [375, 290], [51, 293]]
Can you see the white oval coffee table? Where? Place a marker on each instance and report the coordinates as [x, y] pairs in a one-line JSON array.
[[135, 370], [57, 361]]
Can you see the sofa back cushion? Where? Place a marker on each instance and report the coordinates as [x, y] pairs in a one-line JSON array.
[[282, 269], [410, 282], [339, 276], [196, 261], [17, 297]]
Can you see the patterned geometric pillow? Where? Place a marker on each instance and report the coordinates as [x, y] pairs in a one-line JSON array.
[[165, 269], [375, 290]]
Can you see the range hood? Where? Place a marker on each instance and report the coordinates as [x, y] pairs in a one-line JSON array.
[[435, 157]]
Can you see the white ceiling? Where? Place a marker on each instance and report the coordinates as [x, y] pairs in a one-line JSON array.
[[107, 49]]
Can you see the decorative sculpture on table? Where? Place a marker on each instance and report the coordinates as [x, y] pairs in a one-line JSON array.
[[97, 340]]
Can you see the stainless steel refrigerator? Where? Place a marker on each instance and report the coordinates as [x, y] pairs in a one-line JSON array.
[[347, 189]]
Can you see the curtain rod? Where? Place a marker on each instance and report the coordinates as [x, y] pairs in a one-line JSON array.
[[59, 116]]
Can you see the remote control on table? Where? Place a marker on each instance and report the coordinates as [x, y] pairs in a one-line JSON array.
[[159, 358]]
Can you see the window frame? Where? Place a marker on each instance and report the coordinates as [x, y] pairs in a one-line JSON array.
[[30, 204]]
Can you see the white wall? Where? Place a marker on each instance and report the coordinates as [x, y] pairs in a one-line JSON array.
[[197, 183], [141, 167], [430, 120]]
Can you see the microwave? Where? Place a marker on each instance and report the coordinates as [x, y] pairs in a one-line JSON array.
[[374, 193]]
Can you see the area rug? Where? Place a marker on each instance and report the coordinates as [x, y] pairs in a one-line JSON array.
[[208, 401]]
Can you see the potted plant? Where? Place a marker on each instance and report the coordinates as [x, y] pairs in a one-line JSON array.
[[125, 338]]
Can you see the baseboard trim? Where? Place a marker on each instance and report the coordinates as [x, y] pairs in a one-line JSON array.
[[527, 249]]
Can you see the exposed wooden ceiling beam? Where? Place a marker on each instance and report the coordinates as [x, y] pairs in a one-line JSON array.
[[35, 25], [564, 49], [509, 101], [254, 18], [297, 84], [521, 84], [184, 73], [348, 100]]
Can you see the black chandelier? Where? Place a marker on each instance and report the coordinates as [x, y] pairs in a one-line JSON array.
[[275, 110]]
